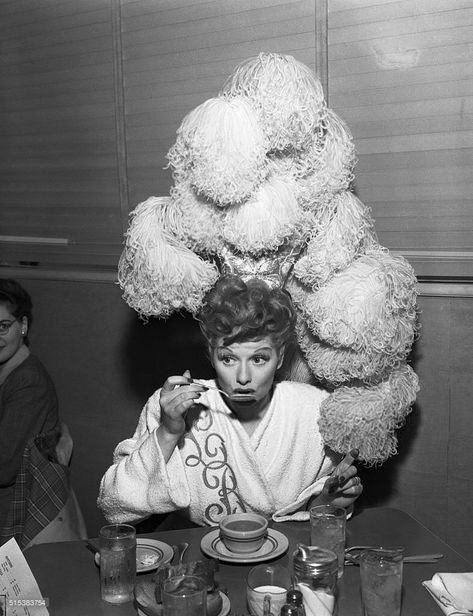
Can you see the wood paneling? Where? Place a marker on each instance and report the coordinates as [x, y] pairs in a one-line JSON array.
[[400, 74], [102, 85], [430, 478], [176, 55], [58, 155], [93, 92]]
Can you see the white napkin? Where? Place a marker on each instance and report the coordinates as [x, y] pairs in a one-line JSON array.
[[452, 592], [316, 603]]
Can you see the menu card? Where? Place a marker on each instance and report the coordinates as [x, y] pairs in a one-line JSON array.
[[19, 592]]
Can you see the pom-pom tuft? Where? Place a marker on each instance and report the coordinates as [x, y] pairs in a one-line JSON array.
[[285, 92], [324, 167], [343, 229], [366, 418], [158, 274], [371, 305], [220, 150], [196, 221], [266, 221], [337, 365]]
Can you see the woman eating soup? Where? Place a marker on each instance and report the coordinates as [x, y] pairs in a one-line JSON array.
[[241, 442]]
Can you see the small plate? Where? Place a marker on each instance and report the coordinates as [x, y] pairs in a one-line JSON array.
[[150, 554], [275, 544], [223, 612]]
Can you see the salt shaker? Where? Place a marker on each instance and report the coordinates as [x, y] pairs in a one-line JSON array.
[[294, 604], [316, 576]]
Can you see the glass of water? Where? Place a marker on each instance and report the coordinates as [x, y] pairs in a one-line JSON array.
[[117, 562], [381, 581], [327, 530]]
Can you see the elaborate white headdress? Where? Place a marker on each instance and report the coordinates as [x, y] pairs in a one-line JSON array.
[[262, 177]]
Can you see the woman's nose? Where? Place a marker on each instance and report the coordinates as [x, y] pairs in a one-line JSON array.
[[243, 375]]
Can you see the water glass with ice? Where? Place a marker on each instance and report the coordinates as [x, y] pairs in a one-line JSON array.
[[381, 581], [327, 530], [117, 562]]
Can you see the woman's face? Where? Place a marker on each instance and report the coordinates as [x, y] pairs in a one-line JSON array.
[[245, 370], [11, 340]]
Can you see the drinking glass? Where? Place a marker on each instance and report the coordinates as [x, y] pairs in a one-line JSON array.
[[117, 562], [267, 584], [327, 530], [381, 581], [184, 595]]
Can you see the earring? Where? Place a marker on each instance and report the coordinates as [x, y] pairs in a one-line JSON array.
[[23, 332]]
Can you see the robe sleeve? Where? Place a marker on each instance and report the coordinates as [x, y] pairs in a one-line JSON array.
[[140, 483], [296, 511]]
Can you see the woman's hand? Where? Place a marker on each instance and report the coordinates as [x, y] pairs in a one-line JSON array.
[[177, 396], [342, 490], [343, 486]]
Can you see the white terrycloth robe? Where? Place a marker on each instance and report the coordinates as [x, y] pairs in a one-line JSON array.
[[218, 468]]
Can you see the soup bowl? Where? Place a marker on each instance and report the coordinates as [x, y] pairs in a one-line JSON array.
[[243, 533]]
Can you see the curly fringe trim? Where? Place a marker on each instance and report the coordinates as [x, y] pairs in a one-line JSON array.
[[367, 417], [265, 222], [371, 305], [220, 149], [200, 224], [342, 231], [298, 163], [341, 365], [158, 275], [324, 171], [285, 92]]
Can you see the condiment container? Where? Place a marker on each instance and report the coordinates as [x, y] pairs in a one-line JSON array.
[[294, 604], [316, 576]]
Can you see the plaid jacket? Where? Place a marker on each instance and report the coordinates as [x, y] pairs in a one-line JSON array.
[[42, 488]]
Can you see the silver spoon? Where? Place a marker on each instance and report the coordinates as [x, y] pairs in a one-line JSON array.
[[235, 397], [224, 393], [354, 558]]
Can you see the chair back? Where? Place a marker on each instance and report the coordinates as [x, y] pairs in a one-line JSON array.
[[44, 507]]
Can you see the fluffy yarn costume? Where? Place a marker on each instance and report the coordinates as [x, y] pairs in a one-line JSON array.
[[262, 176]]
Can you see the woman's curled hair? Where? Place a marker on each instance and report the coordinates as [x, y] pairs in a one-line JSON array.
[[16, 298], [239, 311]]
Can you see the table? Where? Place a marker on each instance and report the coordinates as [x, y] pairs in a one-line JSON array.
[[67, 575]]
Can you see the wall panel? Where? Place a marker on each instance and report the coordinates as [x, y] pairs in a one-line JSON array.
[[177, 55], [57, 123], [400, 74], [93, 92]]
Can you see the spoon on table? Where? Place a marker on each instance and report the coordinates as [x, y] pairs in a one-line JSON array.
[[353, 555]]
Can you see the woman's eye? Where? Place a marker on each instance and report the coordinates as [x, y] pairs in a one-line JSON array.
[[260, 359], [226, 359]]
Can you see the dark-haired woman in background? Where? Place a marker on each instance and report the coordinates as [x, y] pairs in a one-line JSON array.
[[253, 444], [28, 401]]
